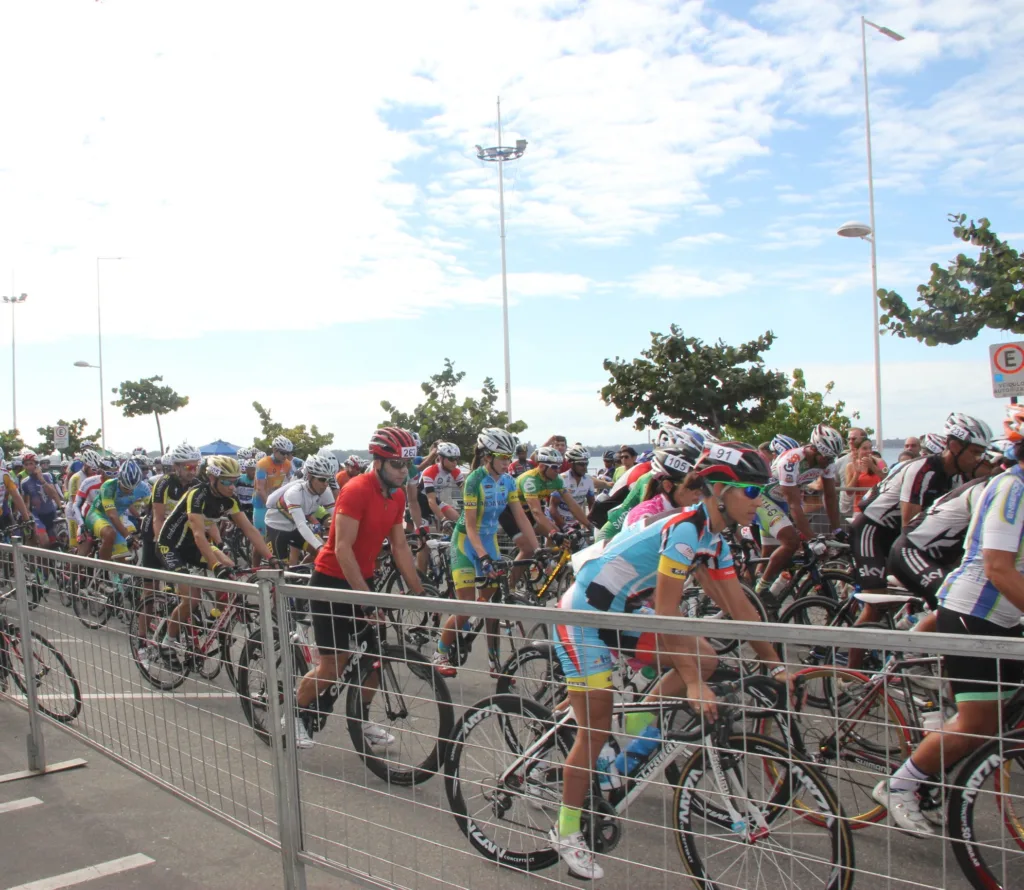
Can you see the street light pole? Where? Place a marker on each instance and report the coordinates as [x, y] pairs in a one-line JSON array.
[[499, 154], [14, 300], [99, 338]]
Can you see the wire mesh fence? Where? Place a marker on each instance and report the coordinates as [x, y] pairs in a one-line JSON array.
[[337, 736]]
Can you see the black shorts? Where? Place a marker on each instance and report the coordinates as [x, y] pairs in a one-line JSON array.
[[281, 541], [916, 570], [150, 557], [180, 559], [508, 522], [870, 544], [334, 624], [980, 679]]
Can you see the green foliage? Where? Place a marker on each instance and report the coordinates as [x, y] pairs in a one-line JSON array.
[[442, 418], [968, 295], [11, 442], [141, 397], [76, 433], [797, 416], [683, 379], [306, 443]]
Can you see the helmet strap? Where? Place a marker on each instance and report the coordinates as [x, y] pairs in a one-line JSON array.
[[386, 487]]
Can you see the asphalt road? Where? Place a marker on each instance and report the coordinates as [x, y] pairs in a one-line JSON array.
[[196, 739]]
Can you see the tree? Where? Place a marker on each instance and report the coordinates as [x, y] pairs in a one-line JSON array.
[[305, 443], [968, 295], [76, 434], [140, 397], [442, 417], [683, 379], [11, 442], [797, 416]]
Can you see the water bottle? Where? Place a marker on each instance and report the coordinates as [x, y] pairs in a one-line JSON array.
[[779, 584], [908, 621], [933, 720], [638, 750], [649, 672], [608, 774]]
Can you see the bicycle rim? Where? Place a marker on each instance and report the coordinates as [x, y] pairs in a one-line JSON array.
[[57, 690]]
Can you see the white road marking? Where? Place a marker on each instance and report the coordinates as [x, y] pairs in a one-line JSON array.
[[90, 873], [22, 804]]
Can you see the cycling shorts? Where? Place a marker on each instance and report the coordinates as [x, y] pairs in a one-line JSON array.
[[150, 557], [771, 518], [980, 679], [181, 559], [281, 542], [508, 522], [465, 563], [870, 544], [917, 571], [94, 525], [335, 625], [259, 518]]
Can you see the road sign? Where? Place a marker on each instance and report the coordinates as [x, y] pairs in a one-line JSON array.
[[60, 437], [1007, 361]]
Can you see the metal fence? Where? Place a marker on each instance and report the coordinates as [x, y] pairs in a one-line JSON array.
[[417, 780]]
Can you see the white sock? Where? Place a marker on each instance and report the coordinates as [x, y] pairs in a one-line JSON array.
[[907, 778]]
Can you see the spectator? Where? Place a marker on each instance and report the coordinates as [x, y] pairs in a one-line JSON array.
[[864, 470], [853, 439], [627, 458], [905, 456], [912, 446]]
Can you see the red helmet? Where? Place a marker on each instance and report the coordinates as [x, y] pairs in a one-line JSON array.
[[1013, 426], [733, 462], [390, 442]]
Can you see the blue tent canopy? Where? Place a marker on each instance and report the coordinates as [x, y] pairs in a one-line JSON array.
[[219, 447]]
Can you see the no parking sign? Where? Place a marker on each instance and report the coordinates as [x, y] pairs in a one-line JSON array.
[[60, 437], [1007, 361]]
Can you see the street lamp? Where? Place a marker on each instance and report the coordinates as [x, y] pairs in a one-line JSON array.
[[102, 420], [14, 301], [499, 154], [99, 337], [868, 232]]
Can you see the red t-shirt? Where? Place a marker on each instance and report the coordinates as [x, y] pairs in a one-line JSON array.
[[362, 499]]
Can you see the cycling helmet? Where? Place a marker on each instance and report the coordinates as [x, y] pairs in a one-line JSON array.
[[827, 441], [353, 462], [248, 464], [282, 443], [667, 436], [129, 475], [332, 461], [449, 450], [645, 456], [26, 454], [106, 465], [577, 454], [88, 444], [417, 439], [967, 430], [781, 444], [259, 455], [392, 443], [1013, 425], [90, 460], [610, 455], [496, 441], [549, 457], [45, 461], [1007, 449], [318, 467], [698, 432], [933, 443], [733, 462], [670, 463], [184, 453], [222, 465], [16, 462]]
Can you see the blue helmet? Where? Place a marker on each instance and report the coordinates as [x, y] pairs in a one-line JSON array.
[[129, 475], [781, 444]]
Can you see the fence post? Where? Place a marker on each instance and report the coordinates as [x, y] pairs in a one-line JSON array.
[[284, 758], [34, 742]]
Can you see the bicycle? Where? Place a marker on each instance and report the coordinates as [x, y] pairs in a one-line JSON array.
[[58, 694], [734, 791], [108, 592], [407, 695]]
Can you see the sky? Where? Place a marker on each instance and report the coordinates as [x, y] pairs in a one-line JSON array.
[[301, 217]]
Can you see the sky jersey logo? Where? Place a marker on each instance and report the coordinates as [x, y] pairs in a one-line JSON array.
[[1012, 504]]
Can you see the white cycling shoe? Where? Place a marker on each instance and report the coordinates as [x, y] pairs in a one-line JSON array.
[[904, 807], [576, 854]]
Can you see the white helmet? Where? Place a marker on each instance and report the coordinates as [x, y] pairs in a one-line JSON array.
[[577, 454], [449, 450], [933, 443], [90, 460], [282, 443], [319, 466], [967, 430], [496, 441], [827, 441], [184, 453], [549, 456], [259, 455], [244, 453]]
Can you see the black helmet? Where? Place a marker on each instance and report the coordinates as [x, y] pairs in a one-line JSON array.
[[733, 462], [610, 455], [671, 462]]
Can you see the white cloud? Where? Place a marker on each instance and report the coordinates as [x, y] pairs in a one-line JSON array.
[[671, 283], [702, 240]]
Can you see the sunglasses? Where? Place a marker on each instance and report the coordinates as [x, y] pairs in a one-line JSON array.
[[319, 479], [227, 481], [501, 456], [191, 466], [398, 464], [751, 491], [284, 453]]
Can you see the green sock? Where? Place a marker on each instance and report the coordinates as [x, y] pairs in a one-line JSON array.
[[638, 721], [442, 648], [762, 585], [568, 820]]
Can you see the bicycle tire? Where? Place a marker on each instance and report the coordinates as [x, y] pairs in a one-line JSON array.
[[71, 700], [148, 621], [534, 672], [519, 722], [707, 608], [90, 610], [424, 759], [253, 693], [808, 611], [981, 853], [689, 805], [832, 583]]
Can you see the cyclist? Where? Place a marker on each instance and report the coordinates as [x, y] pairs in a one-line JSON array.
[[781, 516], [245, 488], [521, 464], [577, 486], [105, 468], [369, 509], [729, 477], [984, 596], [292, 506], [41, 495], [665, 492], [353, 466], [11, 494], [184, 539], [488, 493], [182, 467], [603, 477], [272, 471], [439, 483]]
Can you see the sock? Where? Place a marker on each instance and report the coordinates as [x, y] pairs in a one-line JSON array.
[[907, 778], [762, 585], [638, 721], [442, 648], [568, 820]]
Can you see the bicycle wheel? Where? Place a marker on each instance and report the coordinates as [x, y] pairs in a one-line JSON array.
[[858, 734], [417, 627], [410, 701], [534, 672], [253, 686], [836, 584], [243, 625], [160, 669], [92, 605], [983, 815], [771, 836], [730, 648], [810, 611], [57, 690], [506, 820]]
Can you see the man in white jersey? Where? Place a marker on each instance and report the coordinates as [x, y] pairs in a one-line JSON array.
[[578, 485]]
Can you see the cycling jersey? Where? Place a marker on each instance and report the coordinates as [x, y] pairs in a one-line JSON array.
[[628, 478], [245, 487], [581, 490], [168, 490], [920, 481], [488, 497], [794, 468], [10, 486], [997, 524], [288, 507], [445, 485], [617, 515], [276, 475], [109, 497], [518, 467], [84, 497], [660, 503], [533, 484], [33, 490], [199, 500], [939, 530]]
